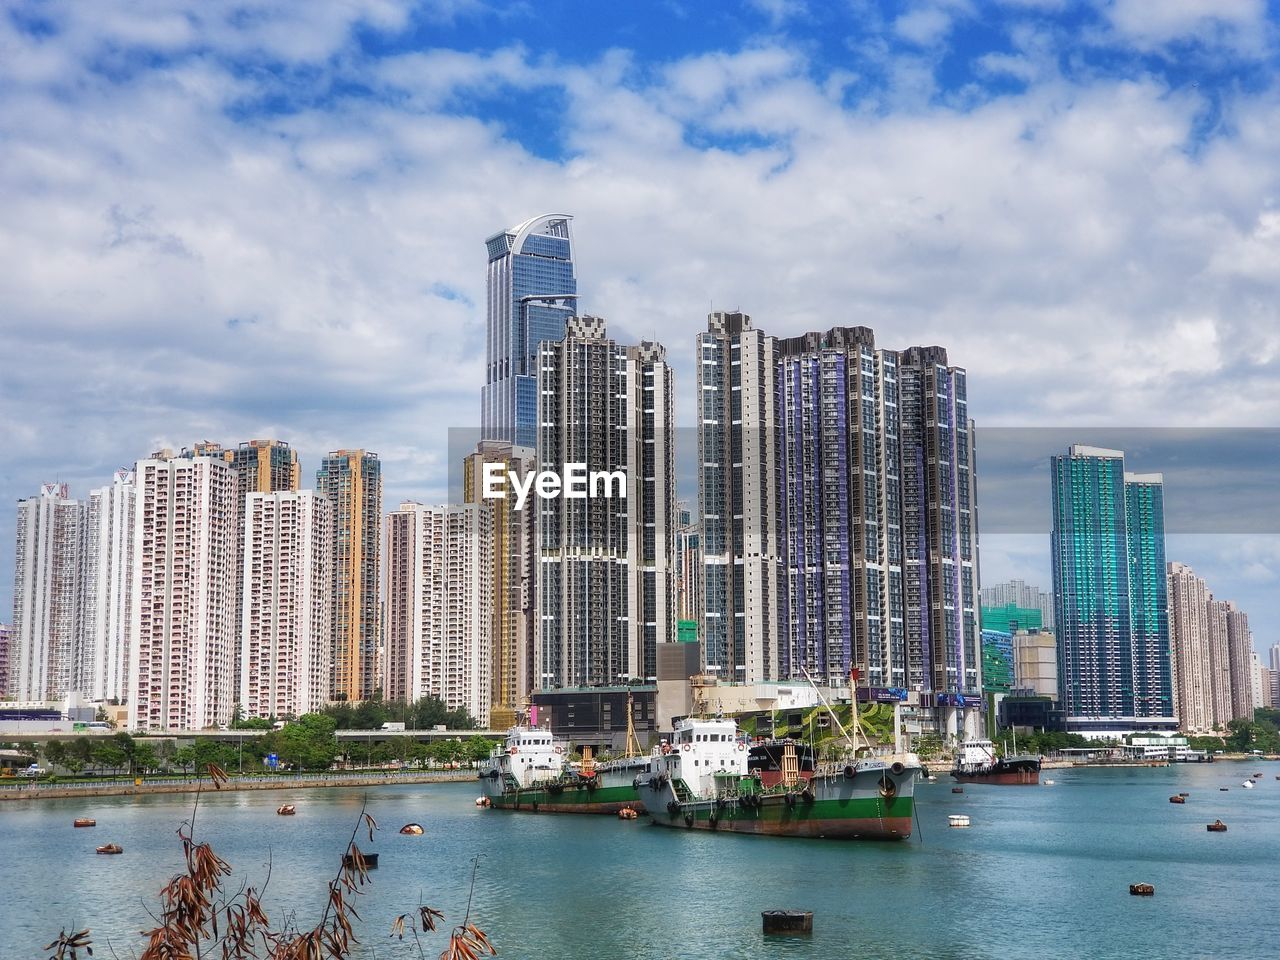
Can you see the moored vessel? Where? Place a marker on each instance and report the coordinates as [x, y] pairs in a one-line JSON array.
[[702, 780], [978, 763], [528, 771]]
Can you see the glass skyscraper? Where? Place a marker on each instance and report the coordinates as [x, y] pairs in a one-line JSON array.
[[532, 291], [1110, 593]]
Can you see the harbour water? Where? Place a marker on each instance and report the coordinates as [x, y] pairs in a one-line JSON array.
[[1043, 871]]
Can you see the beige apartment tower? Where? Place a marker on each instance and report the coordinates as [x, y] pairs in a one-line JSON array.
[[1212, 655], [352, 481], [512, 658]]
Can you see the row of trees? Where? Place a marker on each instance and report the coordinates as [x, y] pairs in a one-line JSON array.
[[371, 714], [117, 754], [308, 743], [422, 714]]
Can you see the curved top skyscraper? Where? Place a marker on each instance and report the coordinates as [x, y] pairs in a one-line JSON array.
[[532, 290]]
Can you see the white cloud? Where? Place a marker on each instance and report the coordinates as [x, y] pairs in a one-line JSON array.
[[780, 11], [929, 22], [173, 272], [1238, 25]]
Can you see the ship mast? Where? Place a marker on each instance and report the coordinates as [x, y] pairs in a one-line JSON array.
[[839, 726], [633, 742]]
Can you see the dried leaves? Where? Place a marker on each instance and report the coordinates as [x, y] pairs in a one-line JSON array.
[[427, 918], [197, 921], [69, 945], [468, 942]]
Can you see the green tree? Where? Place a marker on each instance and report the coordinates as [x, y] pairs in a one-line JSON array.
[[448, 751], [1240, 735], [185, 757], [145, 759], [253, 723], [55, 751], [478, 748], [308, 743], [109, 755], [128, 745], [371, 714], [81, 750]]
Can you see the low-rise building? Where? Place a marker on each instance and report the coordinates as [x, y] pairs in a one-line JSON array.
[[596, 717]]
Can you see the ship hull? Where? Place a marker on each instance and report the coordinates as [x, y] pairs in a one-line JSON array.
[[835, 808], [1025, 773], [614, 791]]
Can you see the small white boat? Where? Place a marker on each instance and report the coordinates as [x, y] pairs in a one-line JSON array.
[[1048, 783], [958, 820], [1248, 784]]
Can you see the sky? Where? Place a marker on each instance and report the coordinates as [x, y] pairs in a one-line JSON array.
[[247, 219]]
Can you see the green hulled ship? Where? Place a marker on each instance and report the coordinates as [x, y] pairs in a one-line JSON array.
[[528, 771], [702, 780]]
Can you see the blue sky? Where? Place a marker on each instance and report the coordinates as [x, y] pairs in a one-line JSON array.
[[234, 220]]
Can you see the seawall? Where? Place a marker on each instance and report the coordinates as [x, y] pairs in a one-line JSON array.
[[126, 788]]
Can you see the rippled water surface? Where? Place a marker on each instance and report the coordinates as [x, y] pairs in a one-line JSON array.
[[1044, 871]]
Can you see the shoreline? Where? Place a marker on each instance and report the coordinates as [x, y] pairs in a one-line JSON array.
[[128, 789]]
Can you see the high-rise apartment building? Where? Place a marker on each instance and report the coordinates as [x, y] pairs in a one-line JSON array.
[[1273, 655], [1212, 654], [1189, 640], [514, 635], [690, 575], [1261, 684], [265, 466], [738, 499], [878, 519], [606, 593], [1240, 654], [838, 514], [939, 525], [262, 466], [107, 606], [6, 645], [183, 604], [1111, 593], [532, 291], [439, 585], [47, 595], [352, 480], [285, 636]]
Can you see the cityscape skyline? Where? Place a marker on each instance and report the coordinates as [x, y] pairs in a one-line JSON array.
[[141, 323]]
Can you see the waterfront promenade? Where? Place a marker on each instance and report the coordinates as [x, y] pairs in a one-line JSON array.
[[28, 790]]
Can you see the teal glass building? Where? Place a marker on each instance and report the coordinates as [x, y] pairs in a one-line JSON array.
[[1110, 594]]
